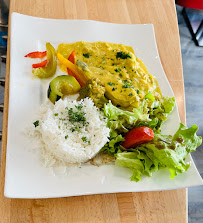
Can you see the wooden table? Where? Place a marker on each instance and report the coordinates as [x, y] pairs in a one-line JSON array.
[[145, 207]]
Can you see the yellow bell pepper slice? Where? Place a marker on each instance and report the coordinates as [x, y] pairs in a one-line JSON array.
[[72, 67]]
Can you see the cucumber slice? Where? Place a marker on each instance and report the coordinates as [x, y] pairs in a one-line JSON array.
[[62, 85]]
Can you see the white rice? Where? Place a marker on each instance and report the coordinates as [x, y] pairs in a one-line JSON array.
[[60, 140]]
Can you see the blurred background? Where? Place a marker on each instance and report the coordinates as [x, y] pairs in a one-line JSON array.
[[190, 22]]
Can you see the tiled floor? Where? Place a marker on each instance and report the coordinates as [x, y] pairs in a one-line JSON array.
[[192, 57]]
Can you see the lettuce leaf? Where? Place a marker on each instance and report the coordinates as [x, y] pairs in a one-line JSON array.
[[162, 151], [131, 160], [113, 146], [120, 120], [160, 110], [151, 114], [157, 111]]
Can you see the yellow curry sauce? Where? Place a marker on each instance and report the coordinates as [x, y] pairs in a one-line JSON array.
[[125, 77]]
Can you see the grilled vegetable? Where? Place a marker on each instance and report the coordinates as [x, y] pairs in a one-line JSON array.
[[50, 68], [62, 85]]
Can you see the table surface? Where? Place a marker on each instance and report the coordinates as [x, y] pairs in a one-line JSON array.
[[145, 207]]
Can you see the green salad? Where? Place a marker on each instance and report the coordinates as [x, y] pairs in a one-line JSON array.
[[162, 151]]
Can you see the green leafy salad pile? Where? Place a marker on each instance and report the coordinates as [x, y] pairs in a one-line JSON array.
[[164, 151]]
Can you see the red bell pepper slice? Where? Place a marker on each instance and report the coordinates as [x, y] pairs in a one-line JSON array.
[[138, 136], [41, 64], [71, 58], [36, 54]]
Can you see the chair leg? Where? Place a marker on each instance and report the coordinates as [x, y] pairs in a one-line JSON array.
[[199, 28], [185, 16]]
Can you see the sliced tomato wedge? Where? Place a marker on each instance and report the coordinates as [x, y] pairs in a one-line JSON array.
[[138, 136]]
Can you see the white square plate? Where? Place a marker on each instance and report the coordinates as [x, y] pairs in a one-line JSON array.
[[25, 175]]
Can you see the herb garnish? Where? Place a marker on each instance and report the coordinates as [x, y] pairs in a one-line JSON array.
[[118, 69], [76, 116], [122, 55], [66, 137], [84, 139], [127, 84], [110, 83], [36, 123], [86, 55], [79, 107]]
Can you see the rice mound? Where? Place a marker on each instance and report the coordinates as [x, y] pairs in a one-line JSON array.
[[71, 142]]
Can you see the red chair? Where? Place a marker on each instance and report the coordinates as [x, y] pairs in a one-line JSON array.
[[194, 4]]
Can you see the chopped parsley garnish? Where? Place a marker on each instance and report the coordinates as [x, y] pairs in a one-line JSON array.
[[76, 116], [118, 69], [79, 107], [56, 114], [72, 129], [127, 84], [120, 75], [36, 123], [138, 92], [84, 139], [110, 83], [113, 89], [130, 94], [66, 137], [86, 55], [122, 55]]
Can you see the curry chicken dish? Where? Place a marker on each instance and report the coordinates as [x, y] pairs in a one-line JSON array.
[[124, 76]]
